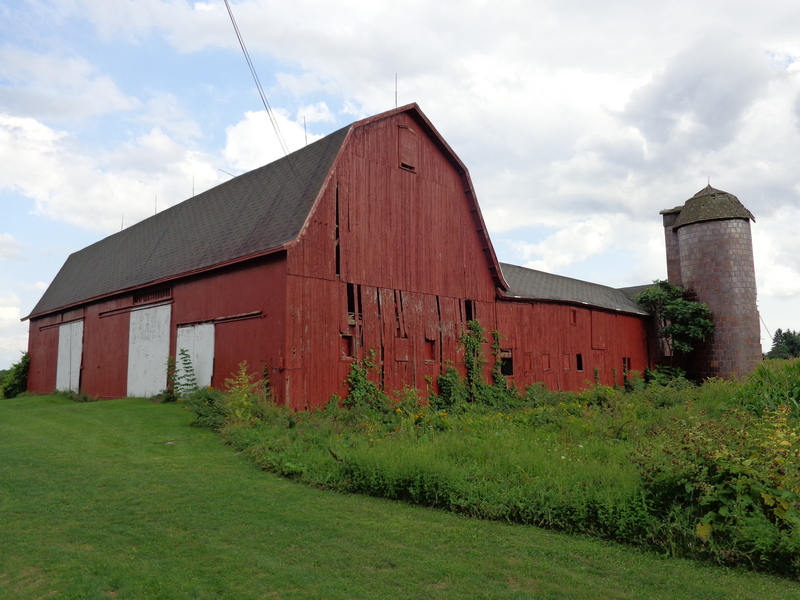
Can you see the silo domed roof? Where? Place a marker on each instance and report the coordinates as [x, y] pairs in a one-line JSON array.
[[710, 204]]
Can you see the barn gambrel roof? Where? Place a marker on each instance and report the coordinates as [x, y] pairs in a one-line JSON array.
[[254, 214]]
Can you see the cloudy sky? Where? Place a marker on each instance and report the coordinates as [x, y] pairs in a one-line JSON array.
[[578, 120]]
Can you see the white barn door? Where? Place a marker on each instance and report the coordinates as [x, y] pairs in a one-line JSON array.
[[70, 353], [148, 350], [198, 341]]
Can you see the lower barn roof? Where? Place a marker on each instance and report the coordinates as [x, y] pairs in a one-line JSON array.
[[538, 285]]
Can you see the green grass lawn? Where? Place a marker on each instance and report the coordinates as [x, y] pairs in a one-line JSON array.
[[123, 499]]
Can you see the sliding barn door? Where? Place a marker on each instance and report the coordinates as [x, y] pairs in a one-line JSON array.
[[70, 354], [148, 350], [198, 342]]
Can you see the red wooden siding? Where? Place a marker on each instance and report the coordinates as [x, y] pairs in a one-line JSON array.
[[546, 339], [105, 349], [43, 352], [247, 306], [395, 228]]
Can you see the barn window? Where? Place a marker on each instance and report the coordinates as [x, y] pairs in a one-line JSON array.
[[347, 346], [353, 303], [546, 362], [407, 148], [430, 350], [573, 316], [579, 362], [506, 362], [567, 364], [400, 330], [337, 245], [469, 310], [626, 365]]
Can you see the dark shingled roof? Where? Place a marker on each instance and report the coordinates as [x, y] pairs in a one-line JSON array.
[[710, 204], [251, 214], [538, 285], [634, 290]]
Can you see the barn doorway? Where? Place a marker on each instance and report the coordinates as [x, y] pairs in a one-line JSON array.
[[148, 350], [70, 354], [198, 342]]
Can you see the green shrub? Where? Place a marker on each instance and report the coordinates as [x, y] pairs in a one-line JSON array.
[[363, 391], [16, 380], [242, 402], [728, 489], [208, 407]]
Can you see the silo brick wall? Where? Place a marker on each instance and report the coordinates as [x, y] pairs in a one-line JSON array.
[[673, 257], [716, 263]]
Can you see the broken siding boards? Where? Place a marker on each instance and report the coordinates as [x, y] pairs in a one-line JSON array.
[[314, 345]]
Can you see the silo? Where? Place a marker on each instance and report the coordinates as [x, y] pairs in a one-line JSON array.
[[710, 254]]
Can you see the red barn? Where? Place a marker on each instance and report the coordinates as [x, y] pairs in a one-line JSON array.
[[368, 240]]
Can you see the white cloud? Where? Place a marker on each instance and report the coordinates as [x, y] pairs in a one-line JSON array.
[[9, 310], [568, 245], [50, 86], [94, 192], [165, 112], [315, 113], [13, 333], [253, 142], [10, 248]]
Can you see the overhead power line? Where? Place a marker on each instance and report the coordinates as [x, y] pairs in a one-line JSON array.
[[264, 100]]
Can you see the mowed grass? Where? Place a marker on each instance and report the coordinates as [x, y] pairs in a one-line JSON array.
[[123, 499]]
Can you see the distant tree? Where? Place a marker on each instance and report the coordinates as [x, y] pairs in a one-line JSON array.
[[785, 344], [15, 381], [683, 323]]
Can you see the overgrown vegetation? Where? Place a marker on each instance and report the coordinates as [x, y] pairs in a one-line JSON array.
[[710, 472], [682, 321], [15, 380]]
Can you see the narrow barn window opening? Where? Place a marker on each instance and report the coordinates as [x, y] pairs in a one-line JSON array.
[[573, 316], [348, 346], [152, 296], [527, 362], [400, 331], [353, 303], [336, 245], [579, 362], [626, 365], [566, 362], [546, 362], [469, 310], [407, 148], [506, 362], [430, 350]]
